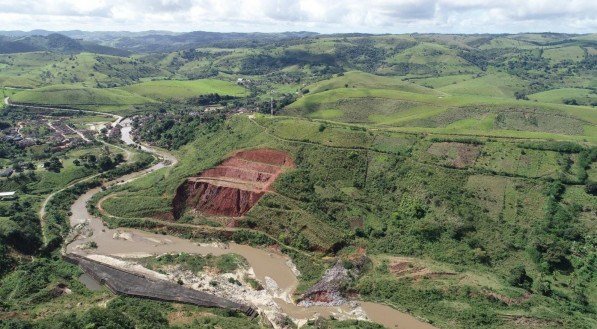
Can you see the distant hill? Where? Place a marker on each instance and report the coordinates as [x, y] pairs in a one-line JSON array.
[[155, 41], [54, 42], [163, 41]]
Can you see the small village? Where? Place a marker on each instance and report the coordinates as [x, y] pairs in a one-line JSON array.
[[37, 141]]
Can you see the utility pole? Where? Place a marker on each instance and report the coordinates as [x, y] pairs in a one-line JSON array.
[[271, 105]]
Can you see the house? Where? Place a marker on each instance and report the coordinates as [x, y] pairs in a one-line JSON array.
[[8, 196]]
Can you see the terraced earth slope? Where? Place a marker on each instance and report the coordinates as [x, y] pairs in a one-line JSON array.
[[233, 187]]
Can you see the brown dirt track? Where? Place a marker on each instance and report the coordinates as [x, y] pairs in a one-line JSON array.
[[233, 187]]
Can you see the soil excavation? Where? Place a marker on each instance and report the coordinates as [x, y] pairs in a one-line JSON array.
[[232, 188], [118, 248]]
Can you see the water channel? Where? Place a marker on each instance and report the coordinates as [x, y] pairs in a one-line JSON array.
[[128, 242]]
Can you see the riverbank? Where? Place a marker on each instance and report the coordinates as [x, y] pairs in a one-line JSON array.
[[274, 271]]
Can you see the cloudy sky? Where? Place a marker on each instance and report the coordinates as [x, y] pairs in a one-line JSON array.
[[327, 16]]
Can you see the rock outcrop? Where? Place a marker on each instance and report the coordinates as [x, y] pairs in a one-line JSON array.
[[331, 289]]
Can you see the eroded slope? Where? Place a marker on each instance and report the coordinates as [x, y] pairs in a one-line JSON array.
[[234, 186]]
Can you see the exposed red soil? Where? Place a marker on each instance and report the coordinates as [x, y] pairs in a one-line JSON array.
[[233, 187]]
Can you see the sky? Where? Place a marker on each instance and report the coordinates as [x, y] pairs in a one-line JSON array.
[[324, 16]]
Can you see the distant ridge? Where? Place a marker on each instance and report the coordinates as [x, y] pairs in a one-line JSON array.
[[54, 42], [154, 41], [122, 43]]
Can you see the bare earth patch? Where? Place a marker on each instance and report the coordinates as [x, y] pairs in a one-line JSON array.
[[403, 267], [233, 187]]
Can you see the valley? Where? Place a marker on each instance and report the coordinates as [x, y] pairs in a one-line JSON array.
[[324, 181]]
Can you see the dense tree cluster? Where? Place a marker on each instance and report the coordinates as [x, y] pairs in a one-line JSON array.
[[172, 129], [209, 99], [53, 164]]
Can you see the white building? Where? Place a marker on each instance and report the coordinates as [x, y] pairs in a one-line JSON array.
[[8, 195]]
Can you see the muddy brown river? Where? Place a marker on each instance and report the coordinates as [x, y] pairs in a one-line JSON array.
[[127, 242], [90, 282]]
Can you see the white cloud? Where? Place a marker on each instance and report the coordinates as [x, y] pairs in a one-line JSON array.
[[377, 16]]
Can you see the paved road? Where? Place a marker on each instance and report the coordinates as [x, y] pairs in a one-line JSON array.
[[9, 103]]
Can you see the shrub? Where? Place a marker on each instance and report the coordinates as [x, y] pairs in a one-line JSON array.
[[518, 277], [591, 188]]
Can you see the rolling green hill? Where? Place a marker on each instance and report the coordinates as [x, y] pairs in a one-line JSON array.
[[493, 84], [172, 89], [364, 105], [431, 59], [16, 68], [570, 53], [480, 106], [70, 95], [580, 96], [54, 42], [85, 69], [358, 79], [442, 81]]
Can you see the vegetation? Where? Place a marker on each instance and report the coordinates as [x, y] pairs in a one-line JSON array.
[[66, 95], [171, 89], [227, 263], [464, 168], [572, 96], [423, 207]]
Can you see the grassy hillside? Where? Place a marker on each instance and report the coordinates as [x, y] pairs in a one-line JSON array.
[[580, 96], [442, 81], [493, 84], [478, 106], [15, 69], [70, 95], [358, 79], [505, 42], [358, 104], [172, 89], [560, 54], [85, 69], [431, 59], [467, 210]]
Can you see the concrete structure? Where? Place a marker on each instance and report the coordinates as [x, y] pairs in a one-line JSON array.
[[8, 195], [127, 283]]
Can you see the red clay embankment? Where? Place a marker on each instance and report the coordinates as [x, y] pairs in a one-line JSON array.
[[233, 187]]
